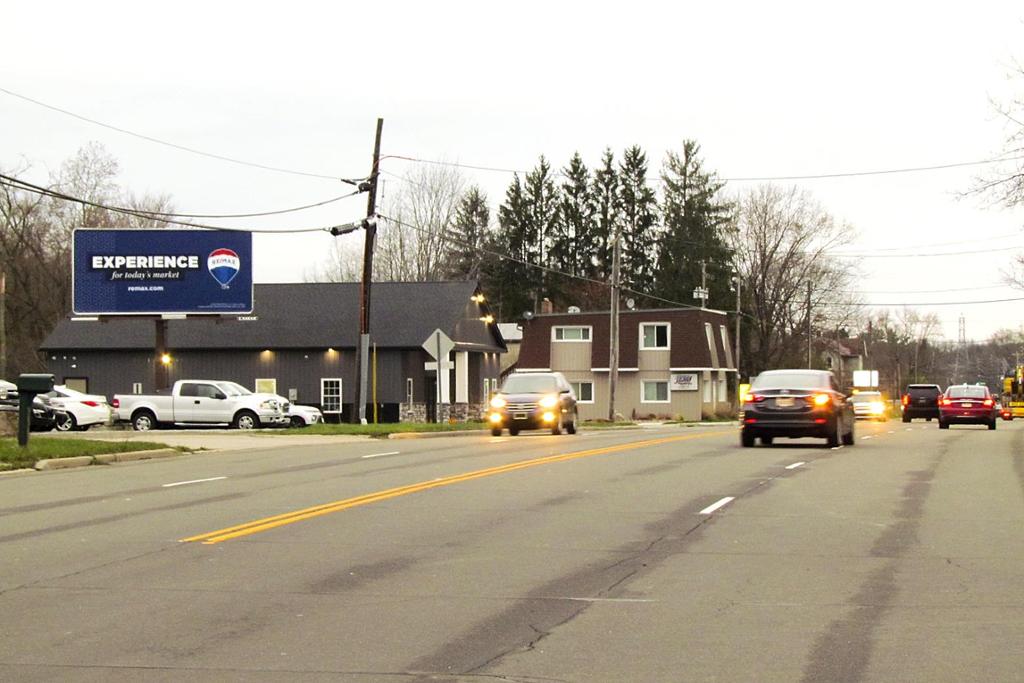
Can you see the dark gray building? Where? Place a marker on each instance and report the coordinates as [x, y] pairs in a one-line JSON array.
[[300, 342]]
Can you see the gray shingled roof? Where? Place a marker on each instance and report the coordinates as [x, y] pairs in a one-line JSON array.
[[305, 315]]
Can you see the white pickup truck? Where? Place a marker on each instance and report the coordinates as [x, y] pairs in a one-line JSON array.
[[201, 402]]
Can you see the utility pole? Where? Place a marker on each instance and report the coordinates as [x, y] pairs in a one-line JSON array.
[[3, 325], [808, 324], [362, 371], [703, 283], [613, 360], [736, 356]]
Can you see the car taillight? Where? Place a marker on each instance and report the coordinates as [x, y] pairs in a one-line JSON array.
[[753, 398], [988, 403], [821, 399], [116, 403], [906, 399], [91, 404], [945, 401]]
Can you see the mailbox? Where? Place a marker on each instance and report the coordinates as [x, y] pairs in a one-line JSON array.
[[35, 384], [28, 387]]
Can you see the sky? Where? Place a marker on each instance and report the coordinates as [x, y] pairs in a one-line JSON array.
[[768, 90]]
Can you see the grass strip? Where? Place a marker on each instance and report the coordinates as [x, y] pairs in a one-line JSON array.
[[13, 456]]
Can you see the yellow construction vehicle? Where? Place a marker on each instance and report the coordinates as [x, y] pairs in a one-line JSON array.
[[1013, 394]]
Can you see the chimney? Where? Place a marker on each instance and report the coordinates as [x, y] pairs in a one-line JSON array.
[[546, 306]]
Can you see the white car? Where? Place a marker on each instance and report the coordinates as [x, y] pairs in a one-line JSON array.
[[82, 410], [300, 416]]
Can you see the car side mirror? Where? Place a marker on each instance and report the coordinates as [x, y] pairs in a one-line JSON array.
[[219, 396]]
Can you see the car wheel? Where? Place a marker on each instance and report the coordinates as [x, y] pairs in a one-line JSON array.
[[143, 421], [848, 439], [906, 418], [246, 419], [557, 429], [571, 427], [767, 440], [943, 425], [832, 440], [296, 421], [513, 431], [746, 439], [496, 432], [68, 424]]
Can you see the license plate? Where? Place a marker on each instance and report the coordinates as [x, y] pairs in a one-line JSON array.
[[966, 405], [518, 416], [784, 402]]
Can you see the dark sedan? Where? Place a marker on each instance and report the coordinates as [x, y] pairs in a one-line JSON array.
[[795, 404], [967, 404], [43, 419], [534, 400]]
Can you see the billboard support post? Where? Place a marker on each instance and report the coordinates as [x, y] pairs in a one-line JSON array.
[[159, 349]]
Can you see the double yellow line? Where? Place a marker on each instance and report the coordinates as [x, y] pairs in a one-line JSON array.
[[267, 523]]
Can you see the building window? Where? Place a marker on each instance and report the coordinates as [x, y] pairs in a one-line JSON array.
[[726, 346], [654, 391], [584, 391], [266, 386], [654, 336], [330, 395], [576, 333], [711, 344], [408, 390], [487, 390], [136, 387], [706, 379]]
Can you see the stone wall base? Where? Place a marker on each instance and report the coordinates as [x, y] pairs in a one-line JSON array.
[[459, 412]]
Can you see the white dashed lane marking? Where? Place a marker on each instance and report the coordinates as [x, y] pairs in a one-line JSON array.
[[711, 508], [193, 481], [381, 455], [795, 465]]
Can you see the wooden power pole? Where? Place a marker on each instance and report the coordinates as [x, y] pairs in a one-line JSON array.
[[363, 343]]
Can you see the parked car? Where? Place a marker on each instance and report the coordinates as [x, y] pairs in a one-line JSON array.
[[920, 400], [869, 405], [44, 417], [201, 402], [967, 404], [301, 416], [534, 400], [795, 404], [81, 411]]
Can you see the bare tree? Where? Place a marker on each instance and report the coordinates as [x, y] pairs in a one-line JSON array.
[[344, 261], [415, 246], [783, 242]]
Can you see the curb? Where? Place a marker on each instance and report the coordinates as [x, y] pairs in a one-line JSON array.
[[21, 471], [103, 459]]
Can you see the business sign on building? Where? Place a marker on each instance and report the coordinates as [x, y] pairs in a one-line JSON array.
[[684, 381], [865, 379], [152, 272]]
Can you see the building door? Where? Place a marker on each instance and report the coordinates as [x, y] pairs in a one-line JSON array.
[[430, 387]]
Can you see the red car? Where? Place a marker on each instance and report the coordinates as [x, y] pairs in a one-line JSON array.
[[967, 404]]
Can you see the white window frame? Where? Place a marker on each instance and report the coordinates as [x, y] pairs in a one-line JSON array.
[[706, 380], [589, 331], [643, 388], [409, 395], [668, 336], [273, 382], [581, 383], [341, 402], [136, 387], [725, 345]]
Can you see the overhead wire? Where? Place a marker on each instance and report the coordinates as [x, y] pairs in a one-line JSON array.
[[192, 150], [15, 183]]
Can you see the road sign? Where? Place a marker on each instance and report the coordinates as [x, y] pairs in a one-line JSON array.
[[152, 272], [438, 344]]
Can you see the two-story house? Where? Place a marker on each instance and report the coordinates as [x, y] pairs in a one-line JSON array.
[[673, 363]]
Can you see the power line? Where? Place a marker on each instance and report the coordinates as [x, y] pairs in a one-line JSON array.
[[941, 253], [14, 183], [125, 131], [29, 186], [553, 271], [739, 179]]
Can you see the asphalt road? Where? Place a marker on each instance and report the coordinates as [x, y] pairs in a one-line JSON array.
[[647, 555]]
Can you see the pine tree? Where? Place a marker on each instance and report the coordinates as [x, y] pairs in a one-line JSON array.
[[695, 219], [509, 282], [573, 247], [607, 213], [542, 199], [639, 220], [468, 236]]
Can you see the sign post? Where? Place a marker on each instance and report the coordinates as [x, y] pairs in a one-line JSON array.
[[439, 345]]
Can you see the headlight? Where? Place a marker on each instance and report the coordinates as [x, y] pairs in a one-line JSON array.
[[270, 404], [548, 417], [498, 402], [549, 402], [877, 408], [495, 417], [822, 399]]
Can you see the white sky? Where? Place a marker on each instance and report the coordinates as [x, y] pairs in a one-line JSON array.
[[768, 89]]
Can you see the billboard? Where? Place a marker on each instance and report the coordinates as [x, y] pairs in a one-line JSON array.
[[151, 272]]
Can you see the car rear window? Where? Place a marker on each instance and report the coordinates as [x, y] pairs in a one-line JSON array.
[[791, 380], [967, 392], [865, 398], [923, 391]]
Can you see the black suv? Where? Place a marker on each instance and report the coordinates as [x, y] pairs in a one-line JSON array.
[[921, 400], [534, 400]]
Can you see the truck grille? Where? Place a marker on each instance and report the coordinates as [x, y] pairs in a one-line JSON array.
[[520, 407]]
